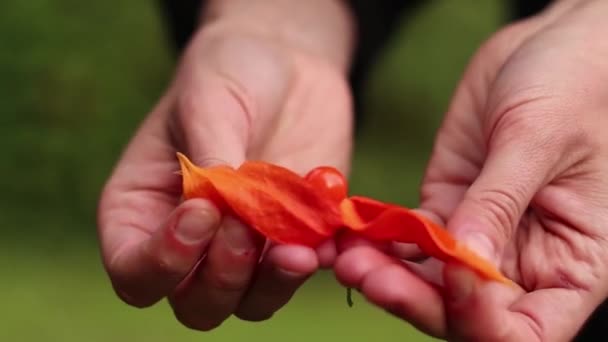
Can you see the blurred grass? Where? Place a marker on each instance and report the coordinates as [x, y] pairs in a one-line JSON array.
[[76, 78]]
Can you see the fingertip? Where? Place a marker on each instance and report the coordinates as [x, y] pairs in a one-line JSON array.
[[482, 244], [348, 240], [135, 301], [248, 315], [407, 251], [431, 215], [327, 253], [196, 223], [293, 259], [196, 323], [392, 284], [353, 265]]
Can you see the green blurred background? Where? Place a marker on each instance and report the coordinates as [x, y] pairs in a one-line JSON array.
[[76, 77]]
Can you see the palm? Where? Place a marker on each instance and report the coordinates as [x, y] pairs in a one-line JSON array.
[[312, 127], [297, 107], [550, 234]]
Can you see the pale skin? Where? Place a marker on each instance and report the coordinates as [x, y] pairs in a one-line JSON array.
[[516, 173], [244, 90]]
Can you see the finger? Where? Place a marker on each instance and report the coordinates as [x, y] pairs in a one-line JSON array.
[[213, 292], [283, 270], [405, 251], [486, 311], [348, 240], [212, 121], [327, 253], [140, 195], [145, 268], [388, 284], [352, 265], [409, 251], [514, 170]]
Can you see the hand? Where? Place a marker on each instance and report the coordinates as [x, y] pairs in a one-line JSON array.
[[518, 173], [238, 94]]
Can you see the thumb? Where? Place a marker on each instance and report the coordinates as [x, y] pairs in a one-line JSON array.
[[516, 167], [212, 121], [145, 267]]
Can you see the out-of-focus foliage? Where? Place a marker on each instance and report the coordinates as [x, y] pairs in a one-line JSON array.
[[76, 78]]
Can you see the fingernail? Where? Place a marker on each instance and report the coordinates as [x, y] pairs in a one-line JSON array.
[[459, 282], [237, 236], [283, 273], [195, 226], [481, 244]]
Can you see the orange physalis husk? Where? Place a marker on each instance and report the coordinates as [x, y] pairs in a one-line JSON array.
[[273, 200], [387, 222], [288, 208]]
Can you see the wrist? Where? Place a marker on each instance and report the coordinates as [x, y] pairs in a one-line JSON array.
[[324, 29], [561, 8]]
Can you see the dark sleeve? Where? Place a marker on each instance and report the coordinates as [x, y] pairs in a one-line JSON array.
[[376, 22], [180, 17], [525, 8]]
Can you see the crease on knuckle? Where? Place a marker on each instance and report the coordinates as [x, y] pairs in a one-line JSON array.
[[534, 323], [209, 160], [228, 281], [246, 101], [502, 209], [187, 104], [544, 116], [163, 264], [523, 109], [524, 121]]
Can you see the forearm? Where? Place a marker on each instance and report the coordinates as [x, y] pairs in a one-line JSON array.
[[322, 27]]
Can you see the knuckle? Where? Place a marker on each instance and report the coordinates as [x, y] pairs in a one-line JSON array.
[[578, 141], [526, 116], [228, 281], [501, 208], [545, 133], [503, 41], [539, 113], [187, 104], [167, 267], [164, 264]]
